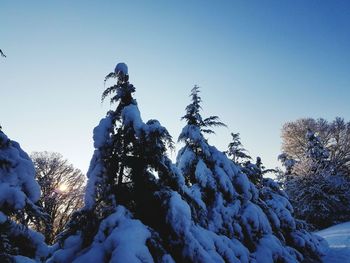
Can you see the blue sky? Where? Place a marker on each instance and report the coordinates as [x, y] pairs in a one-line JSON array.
[[259, 64]]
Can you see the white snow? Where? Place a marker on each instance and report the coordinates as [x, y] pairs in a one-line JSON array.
[[338, 238], [119, 238], [270, 250], [121, 67], [179, 214], [185, 158], [21, 259], [254, 220], [12, 196], [18, 180], [3, 218], [195, 136], [204, 176], [132, 117], [101, 136], [102, 131], [71, 246], [18, 189]]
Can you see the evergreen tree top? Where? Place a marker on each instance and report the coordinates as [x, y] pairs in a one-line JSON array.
[[194, 118], [123, 89], [192, 115], [236, 150]]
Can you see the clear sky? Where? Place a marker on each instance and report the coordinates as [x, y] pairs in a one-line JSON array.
[[259, 64]]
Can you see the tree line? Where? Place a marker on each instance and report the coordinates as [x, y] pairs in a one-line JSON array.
[[139, 206]]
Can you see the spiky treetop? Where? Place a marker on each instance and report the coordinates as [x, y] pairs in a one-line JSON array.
[[122, 90], [236, 150], [192, 133], [193, 116]]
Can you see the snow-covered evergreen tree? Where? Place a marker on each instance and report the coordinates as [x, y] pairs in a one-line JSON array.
[[317, 189], [139, 207], [124, 183], [238, 154], [19, 193], [256, 224]]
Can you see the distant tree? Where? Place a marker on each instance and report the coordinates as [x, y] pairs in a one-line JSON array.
[[19, 193], [318, 189], [335, 136], [62, 190]]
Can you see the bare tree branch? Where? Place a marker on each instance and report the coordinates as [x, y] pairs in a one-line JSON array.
[[2, 54], [62, 188]]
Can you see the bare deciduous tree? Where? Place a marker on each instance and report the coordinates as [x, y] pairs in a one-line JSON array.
[[334, 135], [62, 188]]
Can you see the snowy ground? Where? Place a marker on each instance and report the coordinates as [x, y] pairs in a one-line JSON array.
[[338, 238]]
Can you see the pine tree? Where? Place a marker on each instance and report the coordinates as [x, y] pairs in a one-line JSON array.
[[255, 223], [238, 154], [19, 193], [124, 183], [236, 151]]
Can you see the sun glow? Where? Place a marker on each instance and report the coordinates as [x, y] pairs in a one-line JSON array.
[[63, 187]]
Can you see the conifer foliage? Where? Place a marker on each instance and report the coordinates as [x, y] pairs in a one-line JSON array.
[[249, 223], [19, 193], [124, 178], [140, 207], [236, 151]]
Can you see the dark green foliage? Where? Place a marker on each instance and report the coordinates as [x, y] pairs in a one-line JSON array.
[[193, 117], [236, 151], [83, 221], [238, 154], [130, 159]]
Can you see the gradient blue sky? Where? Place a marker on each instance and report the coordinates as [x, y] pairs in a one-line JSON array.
[[259, 63]]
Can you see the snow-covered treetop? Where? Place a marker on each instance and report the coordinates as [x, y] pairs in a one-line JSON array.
[[192, 133], [122, 90], [193, 116], [121, 68]]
